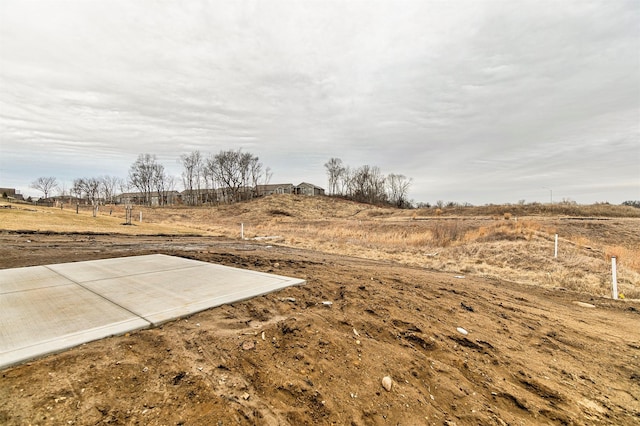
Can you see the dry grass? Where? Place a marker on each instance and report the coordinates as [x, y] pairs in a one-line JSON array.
[[536, 209], [503, 246], [108, 220]]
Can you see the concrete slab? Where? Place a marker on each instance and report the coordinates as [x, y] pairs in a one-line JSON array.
[[121, 266], [162, 296], [21, 279], [54, 316], [47, 309]]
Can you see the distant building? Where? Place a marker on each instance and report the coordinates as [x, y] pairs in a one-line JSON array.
[[11, 194], [308, 189], [278, 188], [286, 188]]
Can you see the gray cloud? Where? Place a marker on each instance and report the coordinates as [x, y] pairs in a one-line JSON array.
[[477, 101]]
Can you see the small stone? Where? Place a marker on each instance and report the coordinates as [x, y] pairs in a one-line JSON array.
[[263, 336], [245, 396], [276, 265], [248, 345], [327, 303], [462, 331], [387, 383], [584, 304]]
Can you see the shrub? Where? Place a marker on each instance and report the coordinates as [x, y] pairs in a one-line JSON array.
[[277, 212], [445, 232]]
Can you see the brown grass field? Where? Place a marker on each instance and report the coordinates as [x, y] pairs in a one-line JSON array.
[[514, 243], [545, 342]]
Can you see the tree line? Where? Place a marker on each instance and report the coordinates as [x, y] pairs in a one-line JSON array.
[[92, 189], [367, 184], [227, 176]]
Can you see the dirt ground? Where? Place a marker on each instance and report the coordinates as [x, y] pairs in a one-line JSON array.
[[530, 355]]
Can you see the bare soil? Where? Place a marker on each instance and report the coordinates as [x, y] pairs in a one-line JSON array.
[[531, 356]]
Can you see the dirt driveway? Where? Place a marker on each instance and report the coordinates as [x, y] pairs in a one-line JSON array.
[[459, 350]]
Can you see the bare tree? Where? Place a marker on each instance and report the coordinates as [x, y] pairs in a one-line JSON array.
[[143, 175], [124, 186], [345, 182], [209, 176], [267, 175], [89, 188], [237, 173], [398, 189], [108, 185], [159, 183], [255, 173], [335, 171], [224, 166], [79, 188], [45, 185], [367, 185], [192, 175]]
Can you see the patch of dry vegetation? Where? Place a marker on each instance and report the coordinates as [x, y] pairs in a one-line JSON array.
[[534, 209], [505, 247]]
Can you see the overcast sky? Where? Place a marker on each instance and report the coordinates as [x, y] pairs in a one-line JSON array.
[[476, 101]]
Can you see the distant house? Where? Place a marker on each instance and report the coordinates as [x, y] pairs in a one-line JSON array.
[[308, 189], [278, 188], [286, 188], [11, 194], [130, 198]]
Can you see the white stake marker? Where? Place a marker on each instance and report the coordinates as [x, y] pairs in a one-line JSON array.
[[614, 278]]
